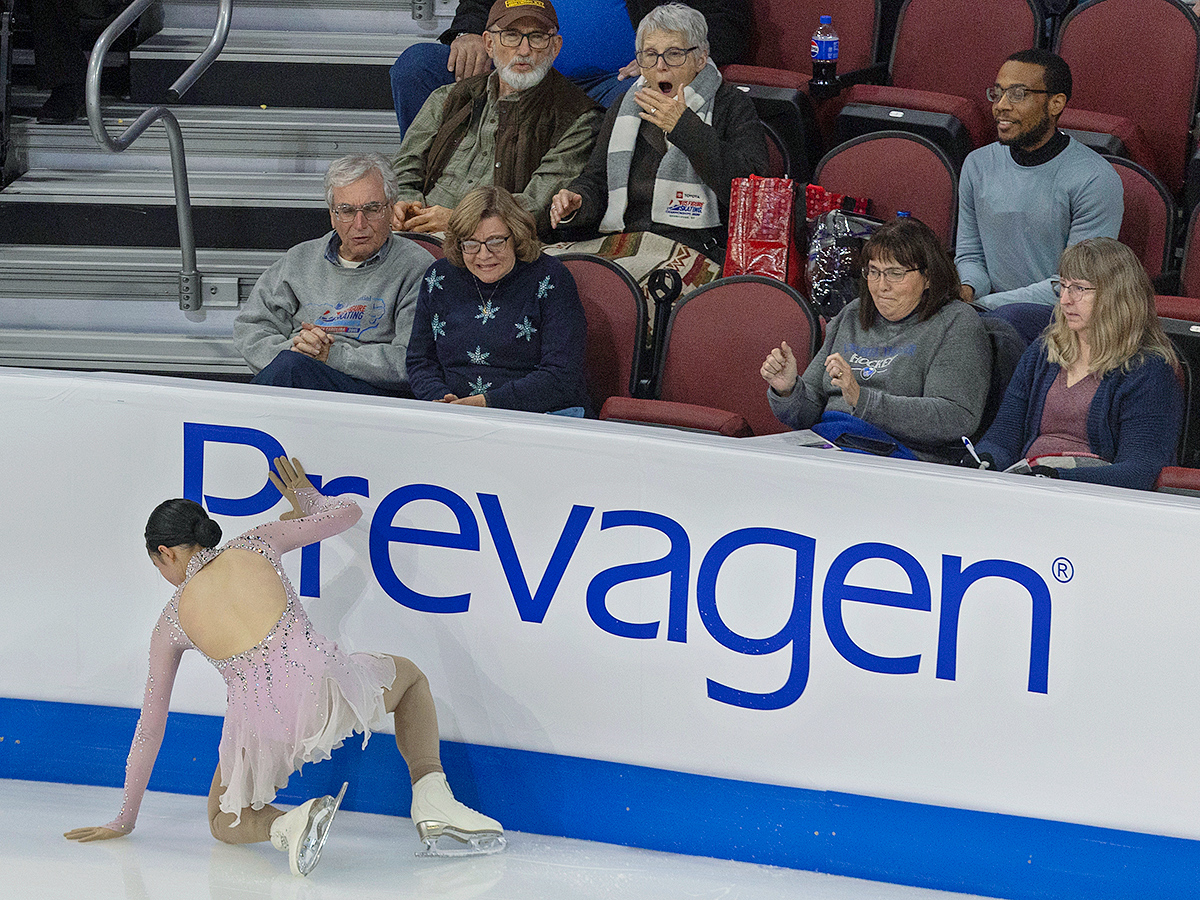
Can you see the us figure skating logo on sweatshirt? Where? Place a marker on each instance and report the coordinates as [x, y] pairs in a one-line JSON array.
[[353, 319]]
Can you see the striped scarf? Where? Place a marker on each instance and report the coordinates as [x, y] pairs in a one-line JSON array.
[[680, 199]]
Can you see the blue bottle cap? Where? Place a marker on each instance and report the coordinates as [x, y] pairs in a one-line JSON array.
[[903, 214], [825, 20]]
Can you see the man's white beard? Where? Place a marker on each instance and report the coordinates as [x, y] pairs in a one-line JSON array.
[[523, 81]]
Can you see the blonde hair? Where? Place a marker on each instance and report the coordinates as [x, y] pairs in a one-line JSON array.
[[1124, 323], [481, 203]]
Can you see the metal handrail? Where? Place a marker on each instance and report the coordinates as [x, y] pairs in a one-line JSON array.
[[190, 280]]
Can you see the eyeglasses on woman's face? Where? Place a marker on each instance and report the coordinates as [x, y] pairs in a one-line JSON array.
[[1072, 290], [672, 56], [892, 275], [471, 246]]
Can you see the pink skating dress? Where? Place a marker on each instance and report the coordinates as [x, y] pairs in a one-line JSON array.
[[292, 698]]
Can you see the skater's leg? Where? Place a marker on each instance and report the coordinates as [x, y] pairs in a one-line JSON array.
[[255, 825], [435, 812], [417, 738]]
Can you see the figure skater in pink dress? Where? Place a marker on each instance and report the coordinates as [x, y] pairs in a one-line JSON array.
[[293, 695]]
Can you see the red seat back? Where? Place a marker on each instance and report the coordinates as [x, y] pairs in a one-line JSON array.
[[783, 32], [1147, 226], [896, 171], [718, 337], [1137, 59], [616, 325], [958, 46]]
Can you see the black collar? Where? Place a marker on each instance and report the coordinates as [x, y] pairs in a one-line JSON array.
[[1042, 154]]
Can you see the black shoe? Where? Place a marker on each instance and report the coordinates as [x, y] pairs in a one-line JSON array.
[[64, 106]]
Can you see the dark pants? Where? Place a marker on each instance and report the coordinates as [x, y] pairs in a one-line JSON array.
[[1030, 319], [293, 369], [57, 43], [421, 69]]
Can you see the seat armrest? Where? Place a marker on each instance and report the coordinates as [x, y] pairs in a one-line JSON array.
[[1178, 480], [686, 416]]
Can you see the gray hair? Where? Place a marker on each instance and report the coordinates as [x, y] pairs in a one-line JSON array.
[[348, 169], [679, 18]]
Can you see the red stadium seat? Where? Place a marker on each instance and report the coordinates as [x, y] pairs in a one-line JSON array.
[[430, 242], [783, 34], [1148, 225], [896, 171], [616, 325], [946, 55], [1136, 74], [716, 340]]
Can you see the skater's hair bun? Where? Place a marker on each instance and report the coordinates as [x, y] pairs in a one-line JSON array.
[[180, 522]]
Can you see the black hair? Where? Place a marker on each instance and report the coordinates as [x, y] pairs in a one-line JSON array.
[[180, 522], [1055, 71]]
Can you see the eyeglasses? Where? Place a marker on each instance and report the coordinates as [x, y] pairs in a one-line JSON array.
[[1073, 291], [891, 276], [372, 211], [538, 40], [1016, 93], [674, 56], [471, 246]]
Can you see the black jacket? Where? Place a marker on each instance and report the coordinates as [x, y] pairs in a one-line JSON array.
[[734, 146]]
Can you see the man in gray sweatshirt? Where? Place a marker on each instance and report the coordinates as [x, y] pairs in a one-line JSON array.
[[1026, 198], [335, 313]]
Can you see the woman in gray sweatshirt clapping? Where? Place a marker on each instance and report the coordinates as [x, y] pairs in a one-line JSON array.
[[906, 365]]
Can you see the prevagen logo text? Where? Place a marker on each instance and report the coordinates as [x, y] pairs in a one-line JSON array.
[[533, 601]]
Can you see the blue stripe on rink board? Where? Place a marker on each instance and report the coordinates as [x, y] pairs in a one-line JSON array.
[[842, 834]]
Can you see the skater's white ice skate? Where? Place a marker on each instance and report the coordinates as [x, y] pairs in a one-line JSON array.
[[301, 832], [438, 815]]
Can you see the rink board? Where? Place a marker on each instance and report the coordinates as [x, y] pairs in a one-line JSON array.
[[730, 648]]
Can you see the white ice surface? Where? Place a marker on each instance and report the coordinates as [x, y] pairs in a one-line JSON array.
[[172, 856]]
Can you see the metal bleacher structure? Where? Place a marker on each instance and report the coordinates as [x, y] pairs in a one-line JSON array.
[[90, 259]]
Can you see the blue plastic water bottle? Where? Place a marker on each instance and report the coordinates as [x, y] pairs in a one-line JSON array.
[[824, 54]]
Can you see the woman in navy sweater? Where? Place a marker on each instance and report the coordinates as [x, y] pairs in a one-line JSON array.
[[498, 323], [1099, 381]]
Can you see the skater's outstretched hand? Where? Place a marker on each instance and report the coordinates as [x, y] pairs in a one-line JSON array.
[[95, 833], [291, 478]]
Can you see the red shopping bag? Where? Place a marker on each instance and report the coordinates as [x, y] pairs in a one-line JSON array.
[[762, 238]]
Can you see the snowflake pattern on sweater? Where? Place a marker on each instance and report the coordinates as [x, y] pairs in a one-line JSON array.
[[526, 330], [521, 345]]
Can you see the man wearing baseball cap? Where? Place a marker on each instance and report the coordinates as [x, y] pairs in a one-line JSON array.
[[599, 38], [523, 127]]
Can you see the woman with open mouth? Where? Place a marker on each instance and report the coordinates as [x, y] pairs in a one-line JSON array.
[[668, 152]]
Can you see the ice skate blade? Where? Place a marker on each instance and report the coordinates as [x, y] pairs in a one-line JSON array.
[[446, 841], [321, 818]]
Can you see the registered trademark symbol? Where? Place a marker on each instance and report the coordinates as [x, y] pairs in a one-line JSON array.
[[1063, 570]]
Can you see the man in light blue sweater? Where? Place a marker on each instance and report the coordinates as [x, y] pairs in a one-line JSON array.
[[1025, 199], [335, 313]]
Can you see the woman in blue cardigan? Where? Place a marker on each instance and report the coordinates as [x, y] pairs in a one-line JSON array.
[[498, 323], [1100, 381]]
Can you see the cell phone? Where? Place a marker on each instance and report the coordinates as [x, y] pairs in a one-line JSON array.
[[851, 441]]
